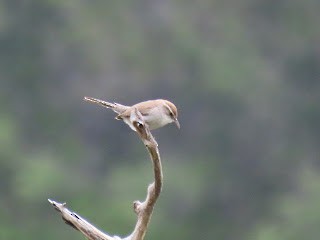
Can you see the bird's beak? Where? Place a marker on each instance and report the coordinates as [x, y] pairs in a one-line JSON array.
[[177, 123]]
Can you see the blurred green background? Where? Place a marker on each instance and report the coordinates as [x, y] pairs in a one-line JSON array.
[[245, 75]]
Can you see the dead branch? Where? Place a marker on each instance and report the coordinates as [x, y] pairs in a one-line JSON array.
[[142, 209]]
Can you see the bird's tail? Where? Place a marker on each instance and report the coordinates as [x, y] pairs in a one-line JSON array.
[[118, 108]]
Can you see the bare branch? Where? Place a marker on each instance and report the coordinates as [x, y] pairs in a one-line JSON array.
[[142, 209], [77, 222]]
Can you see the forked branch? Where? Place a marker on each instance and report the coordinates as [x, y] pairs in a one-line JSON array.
[[142, 209]]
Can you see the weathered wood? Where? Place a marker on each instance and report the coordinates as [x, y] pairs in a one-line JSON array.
[[142, 209]]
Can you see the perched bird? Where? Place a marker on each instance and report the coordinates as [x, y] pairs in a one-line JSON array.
[[155, 113]]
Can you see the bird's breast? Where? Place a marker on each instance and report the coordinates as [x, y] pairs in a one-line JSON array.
[[155, 118]]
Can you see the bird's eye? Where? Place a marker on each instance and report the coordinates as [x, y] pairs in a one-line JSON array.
[[171, 114]]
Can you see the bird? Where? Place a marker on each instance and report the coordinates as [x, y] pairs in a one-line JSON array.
[[155, 113]]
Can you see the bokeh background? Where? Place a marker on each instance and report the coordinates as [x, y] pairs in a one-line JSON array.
[[245, 75]]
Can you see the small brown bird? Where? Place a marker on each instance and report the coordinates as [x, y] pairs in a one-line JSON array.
[[156, 113]]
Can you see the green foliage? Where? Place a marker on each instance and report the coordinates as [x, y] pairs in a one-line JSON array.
[[244, 75], [296, 213]]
